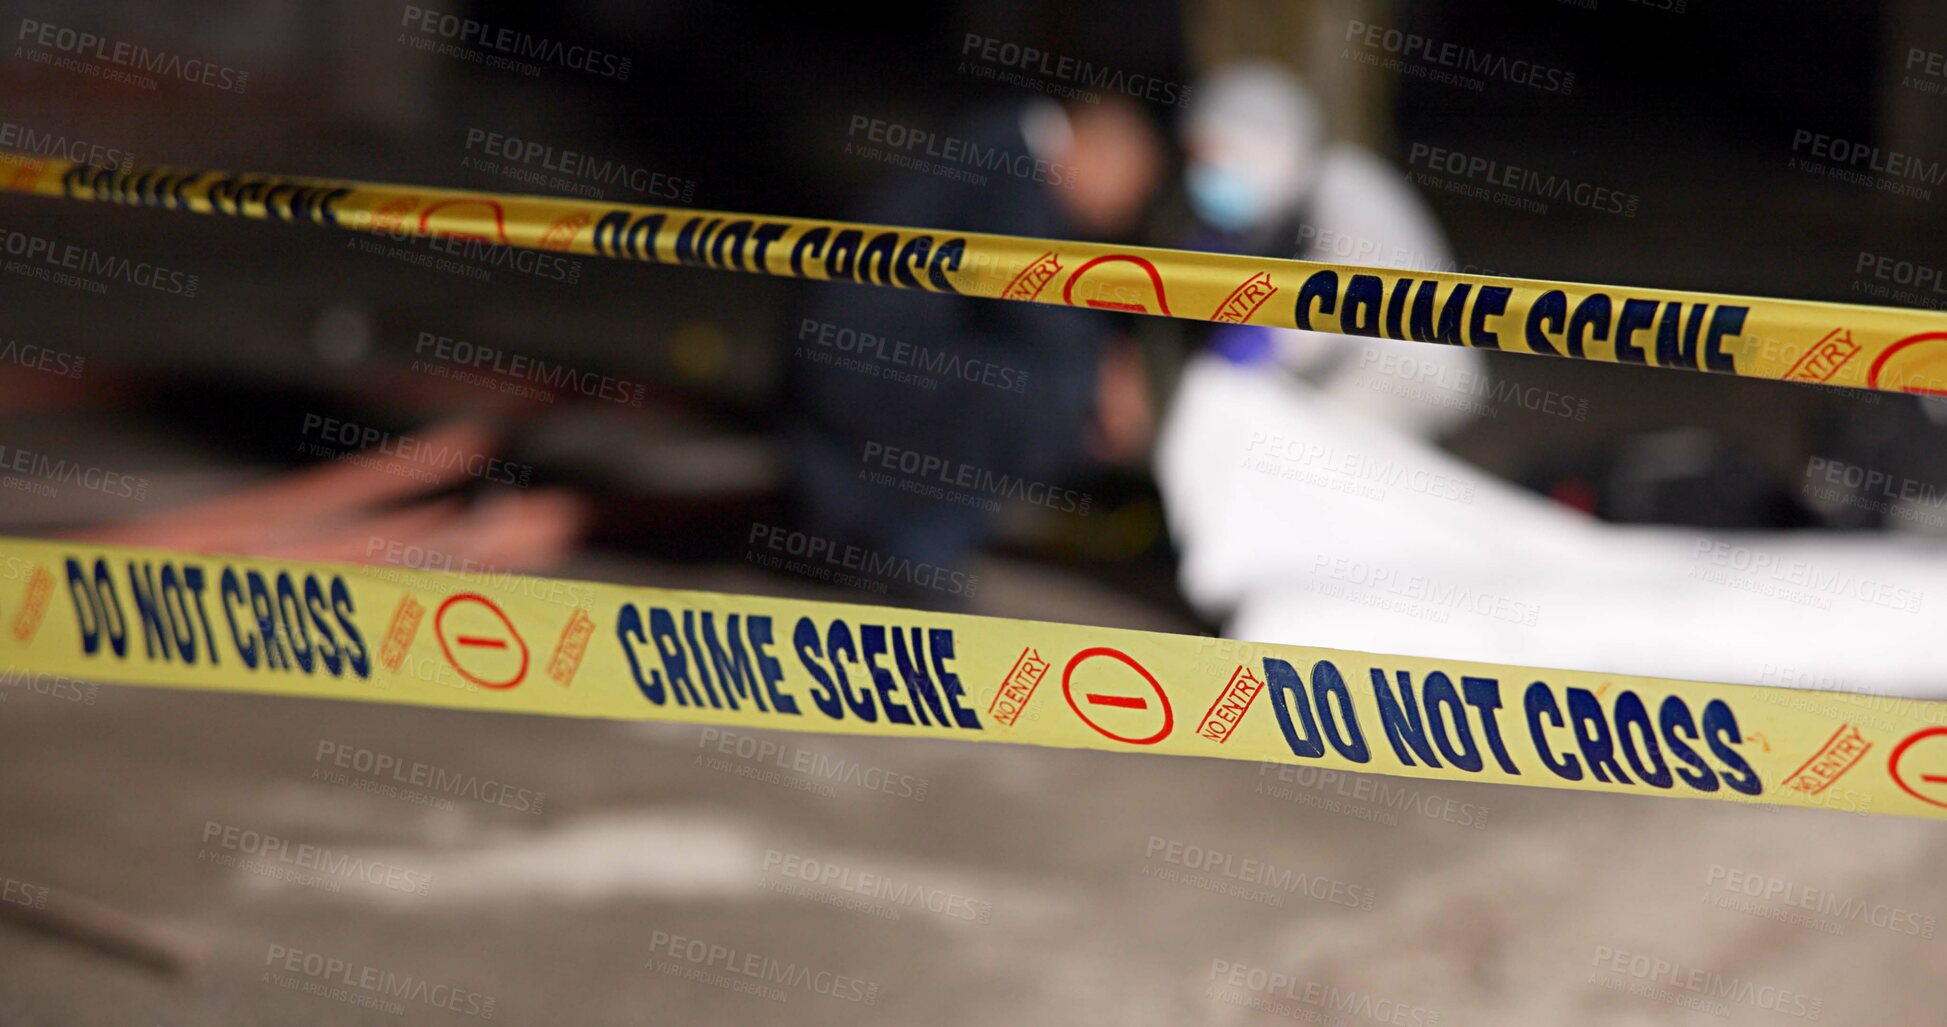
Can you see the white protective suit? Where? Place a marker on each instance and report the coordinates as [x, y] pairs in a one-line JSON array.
[[1317, 511]]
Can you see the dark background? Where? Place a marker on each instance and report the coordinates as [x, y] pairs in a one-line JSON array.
[[107, 799]]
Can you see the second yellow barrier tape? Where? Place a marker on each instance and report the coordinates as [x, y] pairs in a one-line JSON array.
[[1883, 348], [577, 649]]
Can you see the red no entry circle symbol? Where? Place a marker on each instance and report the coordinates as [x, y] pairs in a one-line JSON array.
[[1919, 765], [1916, 365], [480, 642], [1127, 708]]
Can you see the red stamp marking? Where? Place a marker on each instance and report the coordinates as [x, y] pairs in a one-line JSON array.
[[500, 218], [572, 647], [33, 605], [389, 218], [26, 174], [1231, 705], [1938, 386], [487, 647], [1120, 728], [1911, 761], [561, 234], [1126, 702], [1032, 279], [1018, 687], [1244, 300], [1155, 279], [1825, 358], [1838, 755], [398, 635]]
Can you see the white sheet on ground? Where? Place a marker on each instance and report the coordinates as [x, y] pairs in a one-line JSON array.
[[1304, 521]]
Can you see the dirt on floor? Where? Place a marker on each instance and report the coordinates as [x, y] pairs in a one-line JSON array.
[[342, 863]]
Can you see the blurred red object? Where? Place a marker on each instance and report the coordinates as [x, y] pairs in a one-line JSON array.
[[373, 508]]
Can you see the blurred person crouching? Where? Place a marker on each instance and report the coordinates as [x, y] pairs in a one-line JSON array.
[[1309, 508], [900, 399], [1265, 180]]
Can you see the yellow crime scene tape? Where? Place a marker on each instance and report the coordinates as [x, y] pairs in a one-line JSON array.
[[1884, 348], [564, 648], [71, 610]]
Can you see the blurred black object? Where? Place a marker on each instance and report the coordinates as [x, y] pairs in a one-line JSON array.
[[1686, 476], [875, 455]]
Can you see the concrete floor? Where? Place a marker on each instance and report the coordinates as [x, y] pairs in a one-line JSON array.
[[1555, 908], [1064, 886]]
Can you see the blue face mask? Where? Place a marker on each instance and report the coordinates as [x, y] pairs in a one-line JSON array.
[[1223, 197]]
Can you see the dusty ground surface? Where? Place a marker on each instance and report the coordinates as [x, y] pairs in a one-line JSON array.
[[1025, 886], [1016, 885]]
